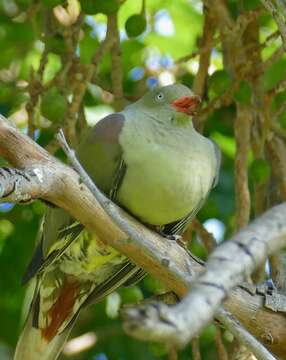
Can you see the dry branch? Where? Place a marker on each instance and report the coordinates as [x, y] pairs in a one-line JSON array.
[[116, 66], [250, 246], [242, 136], [220, 348], [277, 14], [199, 86], [163, 259]]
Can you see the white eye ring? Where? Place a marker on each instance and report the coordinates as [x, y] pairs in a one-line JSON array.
[[160, 97]]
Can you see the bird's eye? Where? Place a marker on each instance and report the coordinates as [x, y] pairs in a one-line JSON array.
[[160, 97]]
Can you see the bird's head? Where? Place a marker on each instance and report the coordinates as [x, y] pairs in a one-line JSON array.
[[168, 102]]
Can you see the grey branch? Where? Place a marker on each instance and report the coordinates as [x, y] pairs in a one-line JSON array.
[[167, 261], [228, 266], [243, 336], [19, 186], [278, 12]]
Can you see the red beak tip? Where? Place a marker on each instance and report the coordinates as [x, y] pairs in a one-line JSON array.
[[187, 104]]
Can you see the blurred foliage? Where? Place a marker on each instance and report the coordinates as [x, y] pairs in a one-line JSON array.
[[31, 37]]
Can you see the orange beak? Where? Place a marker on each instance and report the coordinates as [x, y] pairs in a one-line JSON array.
[[187, 104]]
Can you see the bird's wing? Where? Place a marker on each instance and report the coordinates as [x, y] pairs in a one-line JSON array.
[[179, 227], [100, 154], [72, 269], [134, 279], [84, 274], [54, 240]]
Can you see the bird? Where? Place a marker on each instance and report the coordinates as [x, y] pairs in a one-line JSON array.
[[150, 160]]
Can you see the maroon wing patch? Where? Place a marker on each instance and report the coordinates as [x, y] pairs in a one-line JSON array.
[[62, 308], [108, 129]]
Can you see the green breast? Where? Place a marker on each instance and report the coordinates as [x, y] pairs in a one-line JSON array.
[[168, 173]]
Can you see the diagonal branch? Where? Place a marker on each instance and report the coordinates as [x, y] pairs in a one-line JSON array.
[[222, 272], [278, 12]]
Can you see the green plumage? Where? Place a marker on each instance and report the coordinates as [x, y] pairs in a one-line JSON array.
[[148, 159]]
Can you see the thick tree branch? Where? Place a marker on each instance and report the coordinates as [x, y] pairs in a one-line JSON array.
[[163, 259], [20, 186], [262, 237]]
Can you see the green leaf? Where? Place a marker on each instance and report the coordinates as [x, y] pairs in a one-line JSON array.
[[183, 41], [159, 349], [135, 25], [56, 44], [153, 285], [243, 94], [53, 105], [251, 4], [219, 82], [226, 144], [282, 120], [52, 3], [275, 73], [131, 295], [88, 46], [6, 93], [6, 229], [187, 79], [260, 170], [23, 4], [92, 7]]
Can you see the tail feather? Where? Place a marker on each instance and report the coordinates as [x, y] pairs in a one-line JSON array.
[[33, 346], [38, 342]]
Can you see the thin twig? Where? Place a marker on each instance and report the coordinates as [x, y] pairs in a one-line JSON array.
[[278, 18], [242, 137], [196, 349], [281, 110], [220, 348], [35, 89], [116, 66], [220, 101], [278, 271], [207, 238], [278, 129], [277, 154], [278, 88], [272, 59], [204, 62], [173, 354]]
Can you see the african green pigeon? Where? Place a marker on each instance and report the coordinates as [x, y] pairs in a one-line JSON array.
[[151, 161]]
